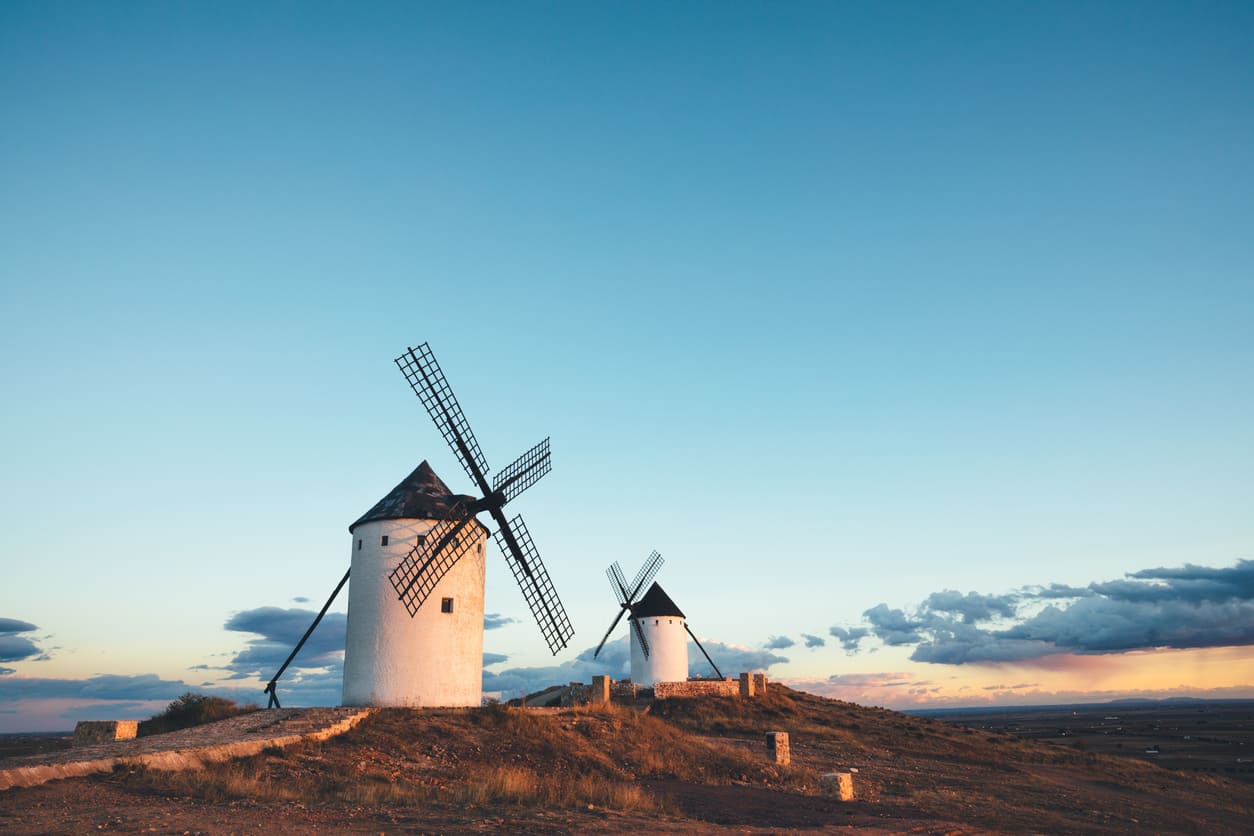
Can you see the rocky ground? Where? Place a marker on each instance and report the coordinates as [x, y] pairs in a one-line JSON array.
[[684, 766]]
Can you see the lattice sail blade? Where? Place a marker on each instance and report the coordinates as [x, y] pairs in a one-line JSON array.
[[644, 645], [524, 472], [646, 574], [533, 579], [425, 378], [615, 574], [438, 551]]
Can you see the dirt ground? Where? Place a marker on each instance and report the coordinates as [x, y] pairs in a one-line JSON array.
[[685, 767]]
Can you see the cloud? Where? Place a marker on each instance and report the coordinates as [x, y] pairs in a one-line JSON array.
[[1185, 607], [15, 648], [779, 643], [300, 599], [495, 621], [893, 627], [104, 687], [315, 676], [973, 606], [813, 641], [6, 671], [850, 637], [873, 680], [494, 659]]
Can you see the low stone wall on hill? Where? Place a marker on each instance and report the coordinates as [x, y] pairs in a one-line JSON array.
[[697, 688]]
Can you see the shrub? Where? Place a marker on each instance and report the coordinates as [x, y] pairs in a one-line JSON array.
[[192, 710]]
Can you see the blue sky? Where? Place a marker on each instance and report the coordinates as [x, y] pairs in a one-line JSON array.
[[835, 305]]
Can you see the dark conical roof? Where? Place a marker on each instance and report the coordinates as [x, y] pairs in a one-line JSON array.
[[656, 603], [420, 496]]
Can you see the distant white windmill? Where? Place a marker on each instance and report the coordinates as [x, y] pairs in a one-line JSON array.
[[659, 629]]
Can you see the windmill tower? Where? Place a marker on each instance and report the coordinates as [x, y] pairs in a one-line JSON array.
[[435, 656], [659, 629], [423, 542]]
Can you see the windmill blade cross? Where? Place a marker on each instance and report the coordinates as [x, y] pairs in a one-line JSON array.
[[524, 560], [428, 382]]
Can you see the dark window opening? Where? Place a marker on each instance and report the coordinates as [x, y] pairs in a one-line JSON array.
[[385, 540], [453, 542], [446, 605], [359, 545], [422, 538]]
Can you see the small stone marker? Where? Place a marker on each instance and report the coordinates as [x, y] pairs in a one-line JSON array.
[[600, 690], [777, 748], [87, 732], [746, 686], [838, 783]]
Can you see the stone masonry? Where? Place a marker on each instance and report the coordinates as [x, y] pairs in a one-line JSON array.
[[600, 693], [746, 686], [697, 688], [88, 732], [777, 749]]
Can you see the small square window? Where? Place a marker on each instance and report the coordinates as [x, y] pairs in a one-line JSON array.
[[385, 540], [446, 605], [422, 538]]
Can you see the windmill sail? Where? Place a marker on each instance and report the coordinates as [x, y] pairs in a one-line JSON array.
[[418, 573]]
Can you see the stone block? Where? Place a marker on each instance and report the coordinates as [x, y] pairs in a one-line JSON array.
[[759, 684], [839, 784], [746, 686], [777, 749], [600, 693], [88, 732]]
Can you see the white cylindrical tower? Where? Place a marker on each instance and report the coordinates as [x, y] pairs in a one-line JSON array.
[[662, 623], [434, 658]]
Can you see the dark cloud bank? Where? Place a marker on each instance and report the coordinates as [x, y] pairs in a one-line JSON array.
[[1186, 607], [15, 647]]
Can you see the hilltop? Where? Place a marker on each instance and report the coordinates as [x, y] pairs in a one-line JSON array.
[[681, 765]]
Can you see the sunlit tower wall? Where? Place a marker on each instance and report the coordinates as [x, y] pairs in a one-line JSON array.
[[435, 658], [662, 623]]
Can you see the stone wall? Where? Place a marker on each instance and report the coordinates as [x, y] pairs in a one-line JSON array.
[[87, 732], [697, 688]]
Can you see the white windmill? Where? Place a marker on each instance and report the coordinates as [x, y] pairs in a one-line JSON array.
[[659, 629], [420, 542]]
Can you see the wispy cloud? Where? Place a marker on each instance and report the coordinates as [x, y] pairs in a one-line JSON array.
[[778, 643], [813, 641], [495, 621]]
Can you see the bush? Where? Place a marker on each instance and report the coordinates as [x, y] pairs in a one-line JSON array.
[[192, 710]]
